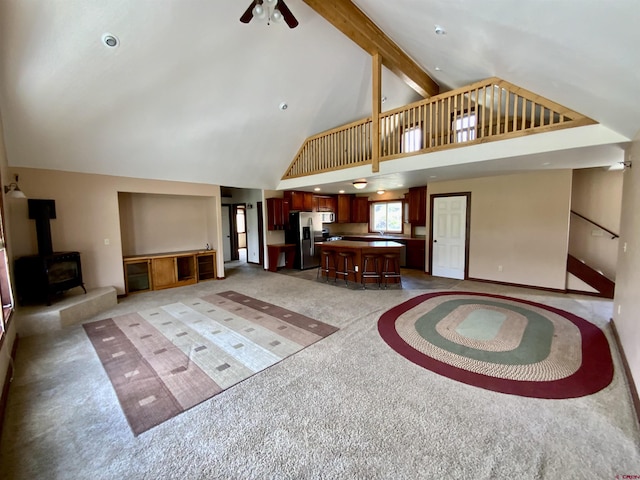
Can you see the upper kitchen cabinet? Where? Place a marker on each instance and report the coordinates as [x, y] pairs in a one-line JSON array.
[[299, 201], [359, 209], [417, 200], [343, 212], [277, 213], [324, 203]]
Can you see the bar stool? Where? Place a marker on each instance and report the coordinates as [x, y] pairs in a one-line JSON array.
[[370, 259], [391, 268], [327, 263], [344, 258]]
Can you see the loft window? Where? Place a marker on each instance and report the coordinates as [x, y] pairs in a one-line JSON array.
[[412, 139], [386, 217], [464, 126]]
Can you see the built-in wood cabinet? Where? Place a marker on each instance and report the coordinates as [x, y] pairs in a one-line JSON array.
[[206, 266], [343, 212], [359, 209], [137, 275], [324, 203], [277, 213], [168, 270], [299, 201], [415, 253], [417, 206]]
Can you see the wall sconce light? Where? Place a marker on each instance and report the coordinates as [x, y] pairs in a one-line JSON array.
[[13, 190], [359, 184]]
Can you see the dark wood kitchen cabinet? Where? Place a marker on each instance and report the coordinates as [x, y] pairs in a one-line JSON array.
[[417, 200], [359, 210], [324, 203], [277, 213], [299, 201], [343, 212], [415, 253]]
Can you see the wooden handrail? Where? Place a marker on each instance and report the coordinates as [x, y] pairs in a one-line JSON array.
[[613, 234], [489, 110]]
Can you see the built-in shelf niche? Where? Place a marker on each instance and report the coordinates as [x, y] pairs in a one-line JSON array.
[[157, 223]]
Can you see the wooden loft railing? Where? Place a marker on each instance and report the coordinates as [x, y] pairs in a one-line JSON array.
[[485, 111]]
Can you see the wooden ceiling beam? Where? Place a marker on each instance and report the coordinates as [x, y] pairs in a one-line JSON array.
[[352, 22]]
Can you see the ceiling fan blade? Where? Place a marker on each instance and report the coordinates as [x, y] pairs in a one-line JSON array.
[[248, 15], [287, 15]]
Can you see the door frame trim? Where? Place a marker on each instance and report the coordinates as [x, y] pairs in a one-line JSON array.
[[467, 232]]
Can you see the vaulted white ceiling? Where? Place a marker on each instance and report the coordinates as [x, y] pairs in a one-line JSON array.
[[192, 94]]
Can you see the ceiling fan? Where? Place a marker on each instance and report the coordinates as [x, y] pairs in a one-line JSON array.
[[275, 10]]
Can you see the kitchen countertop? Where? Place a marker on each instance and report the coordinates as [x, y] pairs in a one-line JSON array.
[[361, 244], [374, 236]]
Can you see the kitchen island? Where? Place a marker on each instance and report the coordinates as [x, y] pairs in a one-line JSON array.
[[359, 249]]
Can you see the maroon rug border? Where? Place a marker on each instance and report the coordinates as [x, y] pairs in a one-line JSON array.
[[594, 374]]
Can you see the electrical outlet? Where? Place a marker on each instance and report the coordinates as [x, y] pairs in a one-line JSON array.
[[499, 268], [624, 247], [619, 309]]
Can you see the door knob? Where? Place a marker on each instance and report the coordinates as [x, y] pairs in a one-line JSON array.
[[435, 241]]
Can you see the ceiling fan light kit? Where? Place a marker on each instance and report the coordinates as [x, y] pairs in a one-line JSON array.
[[272, 10]]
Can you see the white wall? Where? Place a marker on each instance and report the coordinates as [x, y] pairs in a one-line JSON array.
[[627, 296], [597, 195], [519, 222]]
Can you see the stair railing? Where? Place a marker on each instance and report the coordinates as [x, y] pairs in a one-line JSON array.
[[613, 234]]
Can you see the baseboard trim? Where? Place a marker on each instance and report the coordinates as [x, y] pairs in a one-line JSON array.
[[590, 294], [534, 287], [7, 382], [627, 371]]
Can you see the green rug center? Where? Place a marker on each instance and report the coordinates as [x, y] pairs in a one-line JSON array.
[[481, 324], [535, 343]]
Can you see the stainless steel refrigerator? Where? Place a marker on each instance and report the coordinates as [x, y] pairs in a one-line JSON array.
[[305, 229]]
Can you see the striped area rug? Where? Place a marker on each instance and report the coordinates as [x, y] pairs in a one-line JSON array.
[[166, 360]]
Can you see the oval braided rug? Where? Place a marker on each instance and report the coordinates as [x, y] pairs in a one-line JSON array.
[[500, 343]]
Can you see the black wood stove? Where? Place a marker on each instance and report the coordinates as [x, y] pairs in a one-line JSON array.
[[40, 277]]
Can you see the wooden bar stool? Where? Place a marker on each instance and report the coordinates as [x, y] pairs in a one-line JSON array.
[[344, 259], [327, 263], [370, 268], [391, 268]]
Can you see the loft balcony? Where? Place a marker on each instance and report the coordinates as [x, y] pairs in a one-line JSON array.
[[488, 111]]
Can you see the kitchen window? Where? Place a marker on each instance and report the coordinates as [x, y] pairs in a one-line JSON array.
[[386, 217]]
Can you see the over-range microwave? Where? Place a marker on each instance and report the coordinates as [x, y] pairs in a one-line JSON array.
[[328, 217]]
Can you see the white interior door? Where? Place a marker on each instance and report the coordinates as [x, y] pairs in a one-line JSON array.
[[226, 232], [449, 236]]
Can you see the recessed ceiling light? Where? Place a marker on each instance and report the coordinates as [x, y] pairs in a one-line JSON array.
[[317, 189], [546, 164], [340, 191], [110, 40], [438, 69], [433, 176], [440, 30], [400, 185], [380, 192]]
